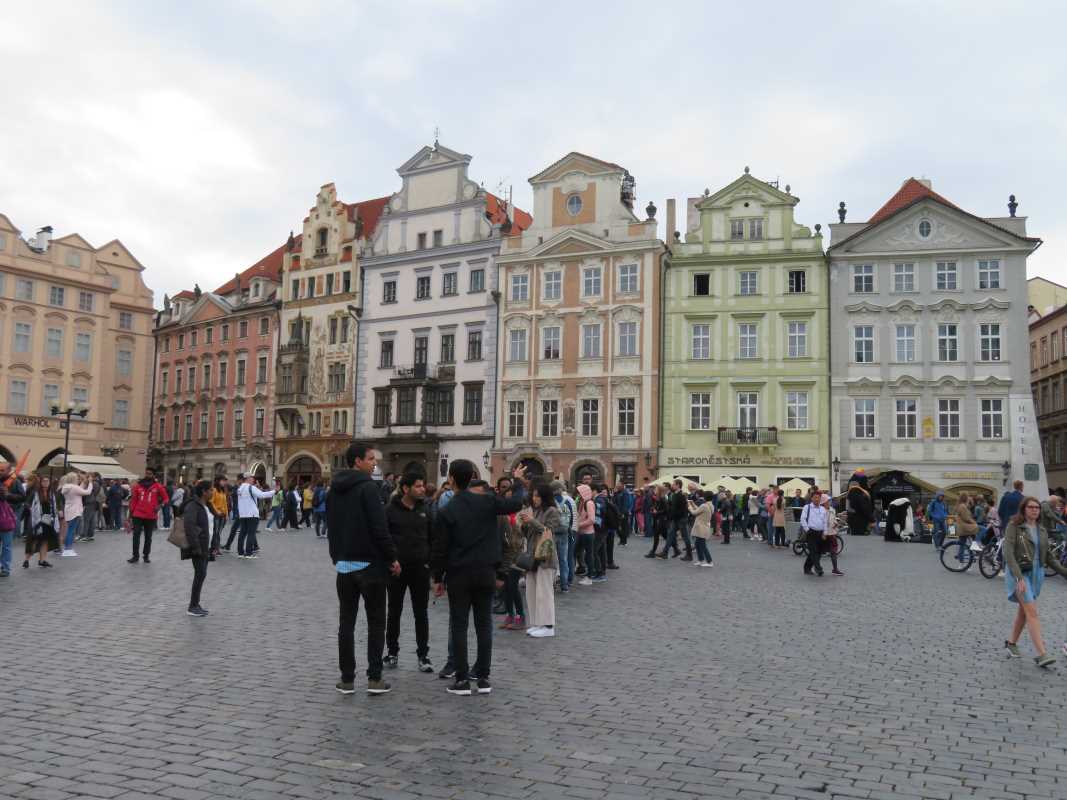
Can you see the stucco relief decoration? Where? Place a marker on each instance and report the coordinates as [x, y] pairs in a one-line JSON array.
[[516, 391], [627, 314], [549, 391], [568, 416], [624, 387], [589, 389]]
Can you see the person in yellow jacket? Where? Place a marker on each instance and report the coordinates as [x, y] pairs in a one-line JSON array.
[[219, 505], [307, 502]]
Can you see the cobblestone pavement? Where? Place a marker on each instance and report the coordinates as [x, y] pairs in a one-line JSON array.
[[745, 681]]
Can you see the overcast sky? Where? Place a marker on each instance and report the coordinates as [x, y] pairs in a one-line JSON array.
[[199, 132]]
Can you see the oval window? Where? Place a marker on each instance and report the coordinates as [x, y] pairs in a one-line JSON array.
[[924, 229], [574, 205]]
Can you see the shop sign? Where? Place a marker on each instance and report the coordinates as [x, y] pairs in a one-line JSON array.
[[973, 476], [32, 422], [742, 461]]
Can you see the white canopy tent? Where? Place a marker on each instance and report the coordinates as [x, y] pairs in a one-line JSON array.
[[105, 465], [790, 486]]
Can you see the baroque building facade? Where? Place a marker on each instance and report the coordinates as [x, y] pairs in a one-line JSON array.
[[746, 341], [426, 357], [930, 387], [1048, 380], [75, 332], [578, 359], [214, 384], [321, 305]]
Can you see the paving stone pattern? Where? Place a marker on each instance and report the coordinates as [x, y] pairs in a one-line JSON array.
[[748, 680]]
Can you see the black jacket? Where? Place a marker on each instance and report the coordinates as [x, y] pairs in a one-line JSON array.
[[355, 520], [466, 537], [409, 529], [679, 506], [197, 529]]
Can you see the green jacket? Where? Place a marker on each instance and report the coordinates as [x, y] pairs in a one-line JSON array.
[[1019, 551]]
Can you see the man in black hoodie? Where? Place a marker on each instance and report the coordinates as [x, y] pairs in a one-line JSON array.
[[466, 553], [364, 556], [409, 528]]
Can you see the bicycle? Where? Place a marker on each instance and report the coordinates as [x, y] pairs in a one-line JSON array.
[[800, 545], [957, 562], [991, 559]]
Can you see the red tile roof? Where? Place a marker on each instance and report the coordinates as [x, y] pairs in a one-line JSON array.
[[497, 212], [185, 294], [912, 191], [370, 211], [269, 267]]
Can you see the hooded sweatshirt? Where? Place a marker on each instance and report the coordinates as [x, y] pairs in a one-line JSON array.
[[586, 510], [147, 496], [355, 520]]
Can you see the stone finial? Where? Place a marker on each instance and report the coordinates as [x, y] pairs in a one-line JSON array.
[[707, 192], [818, 229], [678, 236], [841, 211], [746, 170], [1012, 205], [650, 209], [787, 188], [290, 244]]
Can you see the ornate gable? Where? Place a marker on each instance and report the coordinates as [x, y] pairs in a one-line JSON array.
[[576, 162], [747, 187]]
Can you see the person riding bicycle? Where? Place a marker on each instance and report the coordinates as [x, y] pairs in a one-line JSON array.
[[937, 514], [966, 527]]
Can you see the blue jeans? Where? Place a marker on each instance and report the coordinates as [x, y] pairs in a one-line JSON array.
[[166, 515], [983, 534], [703, 553], [275, 518], [648, 523], [962, 547], [73, 526], [6, 539], [940, 532], [563, 554], [587, 547], [246, 539]]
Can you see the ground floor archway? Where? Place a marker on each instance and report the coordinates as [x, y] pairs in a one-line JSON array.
[[591, 468], [7, 455], [301, 470]]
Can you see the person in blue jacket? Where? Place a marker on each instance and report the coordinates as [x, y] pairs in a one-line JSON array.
[[937, 513]]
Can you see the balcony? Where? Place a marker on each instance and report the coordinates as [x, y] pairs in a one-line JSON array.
[[748, 437], [291, 399], [298, 348], [418, 373]]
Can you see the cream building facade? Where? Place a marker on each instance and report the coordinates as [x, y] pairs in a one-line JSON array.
[[578, 358], [75, 330]]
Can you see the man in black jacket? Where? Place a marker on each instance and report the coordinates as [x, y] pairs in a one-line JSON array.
[[409, 528], [467, 554], [678, 514], [364, 556]]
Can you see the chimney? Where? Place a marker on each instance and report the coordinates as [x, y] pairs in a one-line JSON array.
[[929, 184], [671, 215], [44, 238]]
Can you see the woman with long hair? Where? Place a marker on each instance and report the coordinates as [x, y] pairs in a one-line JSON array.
[[1026, 555], [42, 537], [539, 523], [659, 518], [778, 522], [195, 515], [702, 521], [73, 486]]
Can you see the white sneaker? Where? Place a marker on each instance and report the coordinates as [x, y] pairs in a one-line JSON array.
[[585, 582], [533, 631], [68, 554], [541, 633], [976, 548], [698, 563], [707, 564]]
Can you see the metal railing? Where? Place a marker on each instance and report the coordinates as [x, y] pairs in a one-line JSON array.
[[748, 436]]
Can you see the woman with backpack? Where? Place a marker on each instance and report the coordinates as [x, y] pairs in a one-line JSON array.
[[196, 520]]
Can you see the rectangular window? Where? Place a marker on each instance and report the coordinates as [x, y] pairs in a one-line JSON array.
[[989, 274], [57, 295], [220, 422], [225, 332], [162, 429], [335, 378], [796, 411], [261, 419], [989, 341], [550, 418], [947, 342], [628, 279], [17, 398], [438, 238], [553, 285], [386, 358], [261, 369], [520, 288], [329, 284], [700, 411], [422, 287], [863, 341], [992, 418], [164, 378], [755, 229], [748, 282], [472, 404], [907, 418], [209, 335], [737, 229], [241, 374], [238, 424], [422, 349], [591, 282], [747, 410], [474, 345], [449, 284], [192, 379], [905, 343], [448, 348], [381, 407], [124, 363], [798, 340], [85, 302], [627, 339], [294, 289], [948, 418], [748, 345], [389, 292], [346, 323], [49, 398], [222, 374], [175, 430], [863, 278], [420, 240], [946, 276], [517, 344], [206, 383], [477, 280], [516, 419], [701, 341], [23, 335], [1054, 345], [24, 289], [193, 338], [125, 320], [550, 340], [627, 416], [591, 341], [798, 281], [203, 424], [242, 329], [79, 395], [701, 284], [333, 330], [178, 378], [346, 281], [264, 326], [188, 427], [863, 419], [590, 417], [53, 344], [83, 346], [903, 277]]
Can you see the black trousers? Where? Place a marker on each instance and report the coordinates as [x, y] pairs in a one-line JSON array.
[[415, 580], [815, 545], [145, 526], [472, 591], [217, 524], [370, 584], [289, 518], [199, 573], [600, 553], [609, 546]]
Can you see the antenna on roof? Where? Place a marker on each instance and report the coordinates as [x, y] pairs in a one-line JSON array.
[[436, 136]]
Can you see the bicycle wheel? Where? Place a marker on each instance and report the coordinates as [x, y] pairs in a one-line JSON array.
[[951, 562], [800, 548], [989, 563], [837, 544]]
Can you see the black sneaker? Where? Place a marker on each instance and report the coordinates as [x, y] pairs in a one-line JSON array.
[[147, 560], [483, 686], [203, 609], [425, 665], [133, 560], [448, 673], [390, 661], [89, 539], [196, 612], [460, 687], [378, 687]]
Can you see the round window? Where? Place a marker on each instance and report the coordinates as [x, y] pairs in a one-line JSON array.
[[574, 205], [924, 229]]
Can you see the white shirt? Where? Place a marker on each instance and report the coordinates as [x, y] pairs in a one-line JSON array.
[[814, 518], [247, 495]]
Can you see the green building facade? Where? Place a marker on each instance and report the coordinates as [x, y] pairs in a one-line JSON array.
[[745, 342]]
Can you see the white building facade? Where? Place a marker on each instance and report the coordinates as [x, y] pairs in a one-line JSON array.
[[929, 368]]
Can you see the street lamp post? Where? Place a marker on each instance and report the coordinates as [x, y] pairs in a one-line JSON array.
[[68, 412]]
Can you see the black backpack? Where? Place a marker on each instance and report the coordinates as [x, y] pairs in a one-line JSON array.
[[610, 515]]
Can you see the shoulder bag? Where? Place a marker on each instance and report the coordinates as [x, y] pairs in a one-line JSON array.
[[177, 535]]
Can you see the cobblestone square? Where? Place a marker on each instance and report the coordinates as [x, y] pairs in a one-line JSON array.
[[748, 680]]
